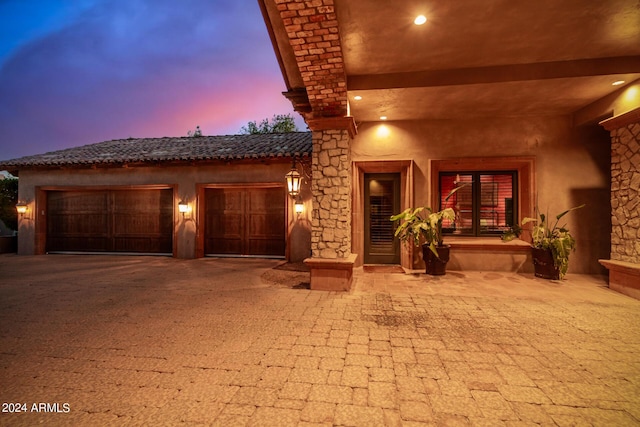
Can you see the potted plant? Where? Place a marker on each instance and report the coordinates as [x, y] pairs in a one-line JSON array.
[[551, 246], [422, 226]]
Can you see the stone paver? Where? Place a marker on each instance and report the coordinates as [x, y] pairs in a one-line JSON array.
[[106, 340]]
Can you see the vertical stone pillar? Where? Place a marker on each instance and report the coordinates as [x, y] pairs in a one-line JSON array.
[[624, 265], [332, 262], [625, 193], [331, 188]]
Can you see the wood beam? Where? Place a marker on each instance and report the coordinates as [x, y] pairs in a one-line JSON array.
[[496, 74]]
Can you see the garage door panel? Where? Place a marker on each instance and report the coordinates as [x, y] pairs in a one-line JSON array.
[[224, 246], [78, 201], [233, 201], [265, 225], [78, 224], [143, 243], [110, 221], [245, 221], [78, 243], [258, 246], [140, 223]]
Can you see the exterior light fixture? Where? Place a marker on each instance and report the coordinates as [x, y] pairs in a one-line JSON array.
[[22, 208], [183, 207], [299, 206], [420, 19], [293, 180]]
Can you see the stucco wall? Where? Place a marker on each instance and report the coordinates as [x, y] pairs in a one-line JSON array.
[[184, 179], [572, 165]]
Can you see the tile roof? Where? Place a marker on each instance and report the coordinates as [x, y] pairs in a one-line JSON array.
[[158, 150]]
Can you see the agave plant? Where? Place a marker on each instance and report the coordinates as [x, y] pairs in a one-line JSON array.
[[557, 239]]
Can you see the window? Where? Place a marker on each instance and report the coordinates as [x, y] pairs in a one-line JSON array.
[[485, 202]]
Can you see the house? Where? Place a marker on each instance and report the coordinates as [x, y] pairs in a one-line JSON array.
[[530, 104], [535, 103], [185, 197]]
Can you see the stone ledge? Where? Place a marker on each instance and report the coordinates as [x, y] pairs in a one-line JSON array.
[[331, 274], [624, 277]]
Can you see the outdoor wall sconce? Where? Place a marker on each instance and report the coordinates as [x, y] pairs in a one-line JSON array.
[[183, 207], [293, 180], [299, 206], [22, 208]]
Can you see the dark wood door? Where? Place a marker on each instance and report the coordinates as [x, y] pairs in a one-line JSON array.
[[137, 221], [382, 200], [245, 221]]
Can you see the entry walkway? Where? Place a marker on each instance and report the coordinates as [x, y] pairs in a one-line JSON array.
[[108, 340]]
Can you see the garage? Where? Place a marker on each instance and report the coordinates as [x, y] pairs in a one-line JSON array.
[[114, 220], [167, 195], [245, 221]]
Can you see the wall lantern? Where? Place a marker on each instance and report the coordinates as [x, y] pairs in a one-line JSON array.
[[183, 207], [22, 208], [293, 180], [299, 206]]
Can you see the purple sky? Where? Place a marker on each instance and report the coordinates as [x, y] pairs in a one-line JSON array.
[[75, 72]]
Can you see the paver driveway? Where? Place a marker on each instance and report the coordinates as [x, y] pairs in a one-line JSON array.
[[106, 340]]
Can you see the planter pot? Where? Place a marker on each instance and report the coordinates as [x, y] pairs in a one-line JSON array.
[[436, 265], [543, 265]]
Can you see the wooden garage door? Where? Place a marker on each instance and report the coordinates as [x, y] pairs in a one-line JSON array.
[[245, 221], [138, 221]]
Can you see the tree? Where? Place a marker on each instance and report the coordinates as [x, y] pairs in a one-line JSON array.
[[280, 123], [8, 200]]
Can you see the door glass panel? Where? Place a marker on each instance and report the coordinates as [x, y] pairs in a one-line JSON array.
[[382, 200]]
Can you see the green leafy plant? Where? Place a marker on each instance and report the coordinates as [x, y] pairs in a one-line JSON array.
[[423, 224], [555, 238], [511, 233]]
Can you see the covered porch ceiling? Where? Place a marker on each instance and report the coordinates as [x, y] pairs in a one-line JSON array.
[[471, 58]]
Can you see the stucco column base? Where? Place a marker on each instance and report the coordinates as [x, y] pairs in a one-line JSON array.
[[624, 277], [331, 274]]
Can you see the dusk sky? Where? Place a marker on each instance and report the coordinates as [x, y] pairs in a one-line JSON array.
[[75, 72]]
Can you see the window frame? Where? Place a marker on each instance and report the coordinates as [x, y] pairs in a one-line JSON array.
[[477, 203], [525, 186]]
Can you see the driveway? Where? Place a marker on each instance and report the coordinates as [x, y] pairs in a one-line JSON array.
[[115, 340]]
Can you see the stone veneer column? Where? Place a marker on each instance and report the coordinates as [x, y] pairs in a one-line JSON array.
[[331, 263], [624, 265], [625, 193], [331, 188]]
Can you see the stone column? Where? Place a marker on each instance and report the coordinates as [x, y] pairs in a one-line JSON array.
[[332, 262], [331, 188], [624, 265], [625, 193]]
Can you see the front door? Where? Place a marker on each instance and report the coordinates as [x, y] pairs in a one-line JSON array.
[[382, 199]]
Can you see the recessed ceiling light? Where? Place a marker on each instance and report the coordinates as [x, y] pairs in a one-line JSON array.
[[383, 117], [357, 97], [617, 83], [420, 19]]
